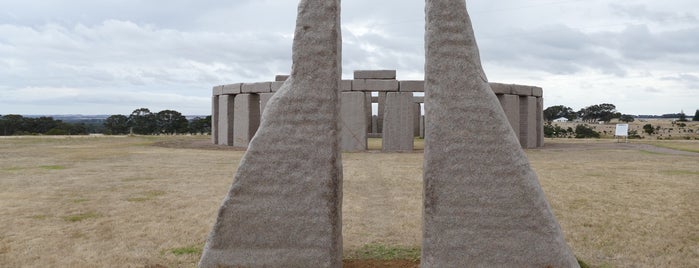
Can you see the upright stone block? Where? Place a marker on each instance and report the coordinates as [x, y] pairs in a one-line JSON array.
[[527, 122], [422, 126], [416, 119], [398, 122], [284, 207], [353, 121], [225, 119], [539, 122], [214, 119], [510, 105], [264, 99], [380, 112], [367, 112], [247, 118], [483, 206]]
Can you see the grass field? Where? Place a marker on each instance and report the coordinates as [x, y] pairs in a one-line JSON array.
[[122, 202]]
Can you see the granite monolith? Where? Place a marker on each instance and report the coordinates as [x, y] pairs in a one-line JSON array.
[[284, 206], [483, 205]]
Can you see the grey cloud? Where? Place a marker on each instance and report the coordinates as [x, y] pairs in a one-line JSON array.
[[643, 12]]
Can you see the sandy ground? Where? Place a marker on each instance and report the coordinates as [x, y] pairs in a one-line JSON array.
[[120, 201]]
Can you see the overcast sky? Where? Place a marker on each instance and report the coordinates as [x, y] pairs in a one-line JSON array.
[[114, 56]]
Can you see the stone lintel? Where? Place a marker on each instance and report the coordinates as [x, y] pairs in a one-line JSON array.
[[412, 86], [217, 90], [375, 74], [231, 89], [261, 87], [281, 77], [346, 85], [521, 90], [537, 92]]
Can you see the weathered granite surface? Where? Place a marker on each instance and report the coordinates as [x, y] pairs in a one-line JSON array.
[[284, 207], [484, 206]]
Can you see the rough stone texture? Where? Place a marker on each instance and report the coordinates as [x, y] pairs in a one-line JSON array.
[[261, 87], [353, 121], [380, 113], [381, 85], [510, 105], [247, 118], [284, 207], [281, 77], [346, 85], [275, 86], [539, 122], [483, 203], [367, 111], [225, 119], [521, 90], [264, 99], [499, 88], [527, 122], [231, 89], [416, 119], [214, 119], [217, 90], [537, 92], [412, 86], [375, 74], [398, 122]]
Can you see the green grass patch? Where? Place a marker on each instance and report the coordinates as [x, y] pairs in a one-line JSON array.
[[145, 196], [186, 250], [39, 217], [384, 252], [53, 167], [81, 217], [680, 172]]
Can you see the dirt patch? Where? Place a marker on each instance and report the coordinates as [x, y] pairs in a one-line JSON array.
[[380, 263], [189, 143], [611, 145]]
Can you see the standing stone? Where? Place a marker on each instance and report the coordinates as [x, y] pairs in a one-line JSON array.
[[398, 122], [510, 105], [367, 112], [527, 121], [483, 206], [539, 121], [416, 119], [225, 119], [247, 118], [353, 121], [284, 207], [214, 119], [264, 99], [380, 113]]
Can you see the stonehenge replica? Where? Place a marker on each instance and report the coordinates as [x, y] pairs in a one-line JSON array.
[[483, 205], [398, 121]]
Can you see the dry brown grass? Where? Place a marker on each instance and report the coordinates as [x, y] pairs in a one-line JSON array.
[[117, 201]]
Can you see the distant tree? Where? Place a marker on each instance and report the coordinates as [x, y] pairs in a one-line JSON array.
[[696, 116], [11, 123], [583, 131], [626, 118], [648, 128], [683, 117], [142, 121], [599, 112], [116, 125], [171, 122], [199, 125], [558, 111]]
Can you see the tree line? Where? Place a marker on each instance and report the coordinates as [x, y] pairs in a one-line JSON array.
[[14, 124], [143, 122], [600, 112]]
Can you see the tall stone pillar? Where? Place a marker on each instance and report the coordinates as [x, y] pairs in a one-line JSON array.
[[527, 121], [398, 122], [214, 119], [367, 112], [353, 121], [284, 207], [539, 121], [416, 119], [264, 99], [247, 118], [225, 119], [483, 206], [382, 107], [510, 105]]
